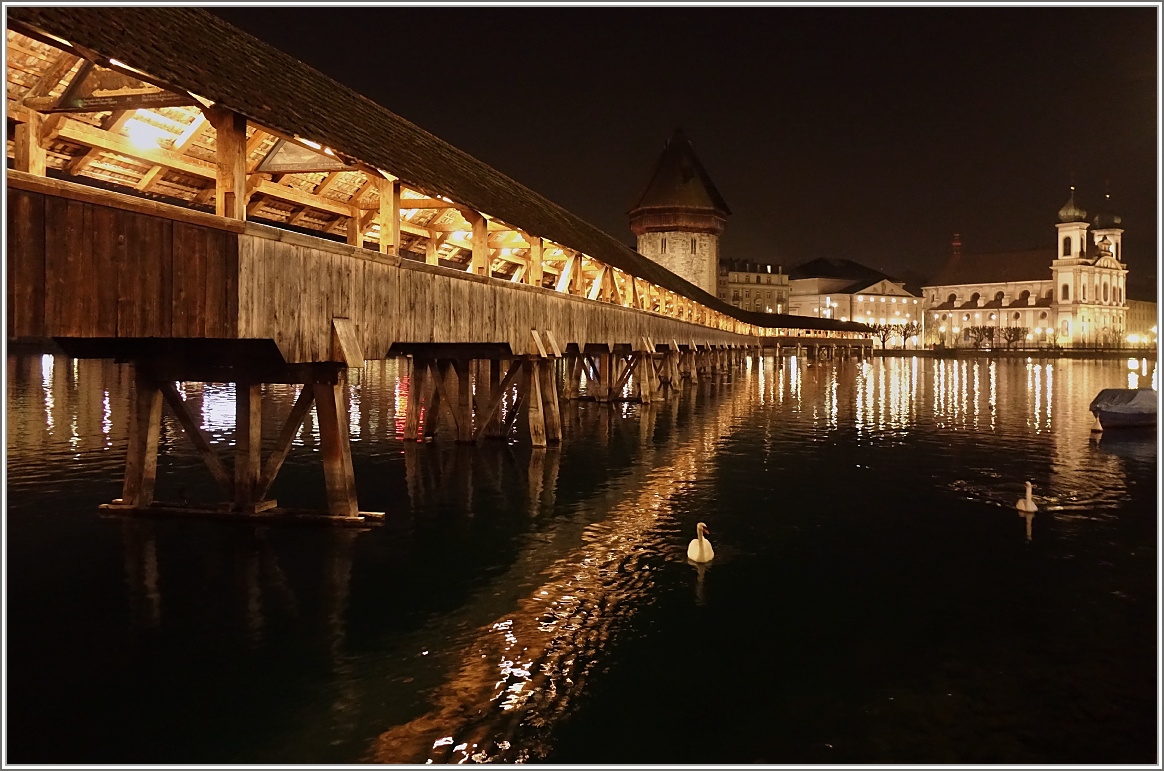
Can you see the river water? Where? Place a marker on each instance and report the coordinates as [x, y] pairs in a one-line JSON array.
[[874, 598]]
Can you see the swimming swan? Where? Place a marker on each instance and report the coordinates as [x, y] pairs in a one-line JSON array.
[[1026, 505], [699, 550]]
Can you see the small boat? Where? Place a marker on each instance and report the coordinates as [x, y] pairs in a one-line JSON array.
[[1124, 408]]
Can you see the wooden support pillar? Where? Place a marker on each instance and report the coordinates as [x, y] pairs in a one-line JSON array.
[[602, 392], [248, 428], [464, 406], [141, 458], [533, 276], [336, 450], [432, 410], [572, 367], [389, 215], [230, 183], [430, 251], [481, 261], [531, 386], [492, 425], [416, 382], [30, 154], [551, 411]]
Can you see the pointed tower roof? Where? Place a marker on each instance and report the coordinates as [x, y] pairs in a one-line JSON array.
[[679, 196], [679, 181]]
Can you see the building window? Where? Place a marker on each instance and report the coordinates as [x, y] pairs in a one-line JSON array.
[[953, 298], [998, 297], [663, 245], [1066, 293], [1067, 246], [747, 294], [769, 294], [1105, 292], [694, 246], [1084, 298], [1017, 316]]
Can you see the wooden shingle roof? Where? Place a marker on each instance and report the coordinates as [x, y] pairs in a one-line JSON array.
[[194, 50]]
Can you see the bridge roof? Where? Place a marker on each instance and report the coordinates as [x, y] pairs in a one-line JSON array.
[[194, 50]]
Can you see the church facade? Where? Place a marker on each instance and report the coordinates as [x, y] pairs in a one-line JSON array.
[[1070, 294]]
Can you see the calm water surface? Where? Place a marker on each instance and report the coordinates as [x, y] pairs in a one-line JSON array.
[[875, 598]]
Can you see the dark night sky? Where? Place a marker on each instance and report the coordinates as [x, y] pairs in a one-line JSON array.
[[866, 133]]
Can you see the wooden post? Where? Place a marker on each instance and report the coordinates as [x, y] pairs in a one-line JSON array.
[[464, 407], [430, 251], [389, 215], [336, 450], [141, 458], [432, 410], [482, 263], [602, 392], [30, 154], [492, 428], [230, 182], [415, 389], [534, 275], [247, 443], [532, 386], [553, 415]]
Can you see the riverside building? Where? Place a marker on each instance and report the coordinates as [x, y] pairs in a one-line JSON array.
[[1070, 293]]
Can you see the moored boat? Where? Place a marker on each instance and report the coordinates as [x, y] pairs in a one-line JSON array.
[[1124, 408]]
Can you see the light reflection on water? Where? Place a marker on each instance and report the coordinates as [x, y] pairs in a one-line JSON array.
[[508, 654]]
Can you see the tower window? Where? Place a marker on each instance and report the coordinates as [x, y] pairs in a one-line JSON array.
[[1066, 293], [663, 245], [1105, 292], [694, 246], [1067, 246], [1084, 297]]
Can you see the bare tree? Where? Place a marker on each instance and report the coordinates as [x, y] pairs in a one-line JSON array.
[[907, 330], [1014, 334], [981, 335], [883, 332]]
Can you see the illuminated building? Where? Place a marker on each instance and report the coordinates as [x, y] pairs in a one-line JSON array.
[[848, 291], [1081, 303], [753, 286]]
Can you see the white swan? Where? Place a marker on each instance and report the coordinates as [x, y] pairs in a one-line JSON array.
[[1026, 505], [699, 550]]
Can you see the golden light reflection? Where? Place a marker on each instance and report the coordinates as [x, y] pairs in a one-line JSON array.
[[536, 656], [46, 373]]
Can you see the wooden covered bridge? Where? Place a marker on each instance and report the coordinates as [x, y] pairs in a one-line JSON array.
[[187, 198]]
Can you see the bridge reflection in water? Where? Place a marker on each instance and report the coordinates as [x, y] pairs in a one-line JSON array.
[[470, 625]]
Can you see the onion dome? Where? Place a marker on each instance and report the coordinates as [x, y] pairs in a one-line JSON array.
[[1071, 212], [1106, 218]]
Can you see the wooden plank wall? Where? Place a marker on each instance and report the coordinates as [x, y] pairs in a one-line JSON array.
[[292, 286], [80, 269]]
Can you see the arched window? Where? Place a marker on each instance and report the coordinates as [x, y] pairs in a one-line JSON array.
[[1084, 298], [1066, 293], [1017, 315], [998, 297], [1105, 292], [974, 298], [953, 298], [1097, 291], [1067, 246]]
